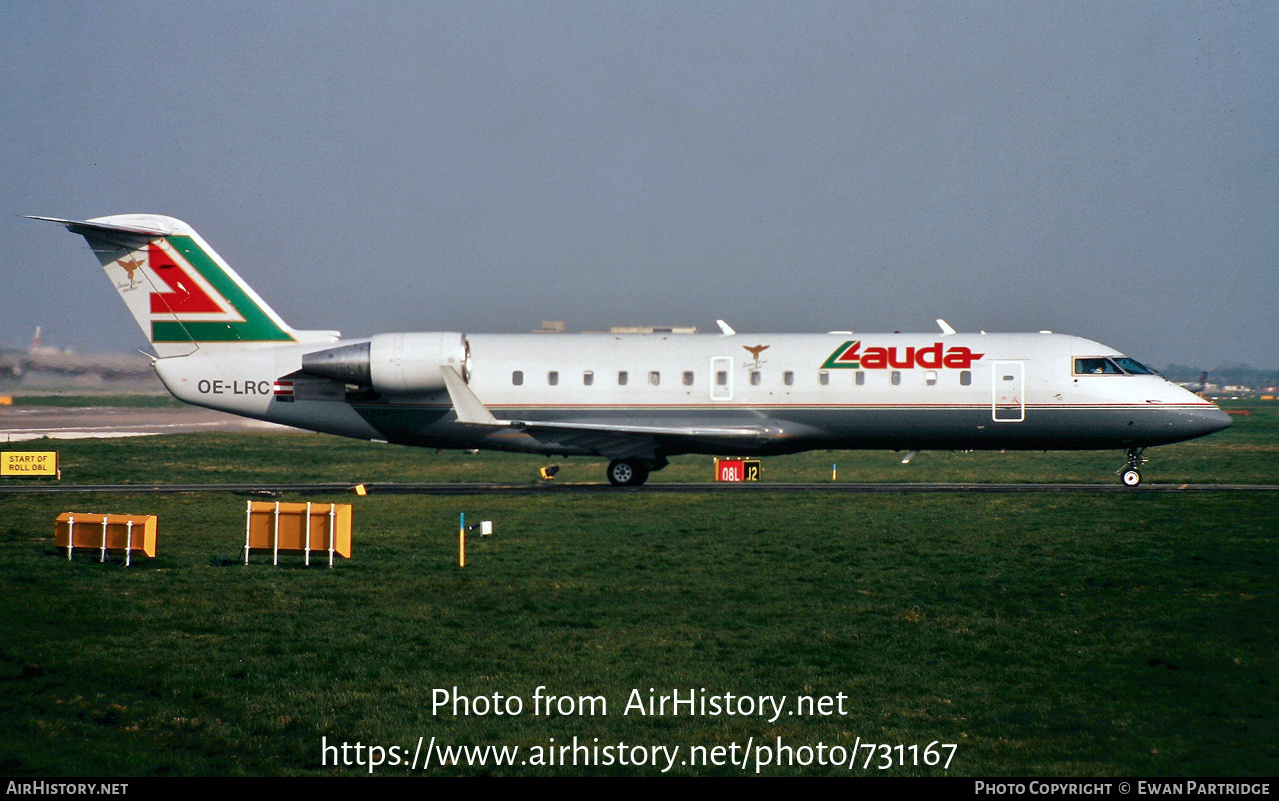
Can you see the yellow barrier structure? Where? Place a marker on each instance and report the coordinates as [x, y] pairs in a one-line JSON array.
[[276, 528], [126, 533]]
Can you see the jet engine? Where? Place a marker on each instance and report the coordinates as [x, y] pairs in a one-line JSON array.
[[393, 363]]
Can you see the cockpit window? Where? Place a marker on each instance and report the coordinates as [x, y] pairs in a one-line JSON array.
[[1117, 365], [1097, 366], [1133, 367]]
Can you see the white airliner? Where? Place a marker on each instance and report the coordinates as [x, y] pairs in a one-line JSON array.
[[636, 399]]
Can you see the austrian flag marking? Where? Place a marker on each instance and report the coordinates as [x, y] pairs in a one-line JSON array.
[[931, 357], [284, 391]]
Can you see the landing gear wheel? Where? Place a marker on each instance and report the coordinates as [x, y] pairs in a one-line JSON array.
[[1129, 473], [627, 472]]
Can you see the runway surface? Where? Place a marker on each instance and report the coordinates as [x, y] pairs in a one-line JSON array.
[[23, 423], [50, 487]]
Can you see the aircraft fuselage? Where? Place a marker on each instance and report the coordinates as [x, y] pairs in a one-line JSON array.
[[898, 391]]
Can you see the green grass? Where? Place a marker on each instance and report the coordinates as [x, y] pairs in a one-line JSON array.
[[1065, 634]]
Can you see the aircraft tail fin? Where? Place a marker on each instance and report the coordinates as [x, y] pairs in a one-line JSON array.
[[179, 290]]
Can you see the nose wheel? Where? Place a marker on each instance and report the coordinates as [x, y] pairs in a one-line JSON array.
[[1129, 473]]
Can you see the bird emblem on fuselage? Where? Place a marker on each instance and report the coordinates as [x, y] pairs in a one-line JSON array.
[[755, 350]]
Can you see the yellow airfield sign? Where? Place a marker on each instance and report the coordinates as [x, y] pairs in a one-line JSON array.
[[28, 463]]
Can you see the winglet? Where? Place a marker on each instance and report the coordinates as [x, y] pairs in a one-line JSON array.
[[468, 407], [725, 327], [945, 327]]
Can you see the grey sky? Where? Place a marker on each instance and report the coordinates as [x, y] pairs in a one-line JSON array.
[[1103, 169]]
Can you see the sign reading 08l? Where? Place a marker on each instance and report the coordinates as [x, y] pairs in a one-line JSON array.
[[738, 469]]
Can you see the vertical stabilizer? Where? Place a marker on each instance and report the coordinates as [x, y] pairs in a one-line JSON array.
[[181, 293]]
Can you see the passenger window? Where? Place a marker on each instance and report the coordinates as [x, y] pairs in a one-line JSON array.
[[621, 378], [588, 378], [965, 378], [654, 378], [861, 378], [517, 377], [755, 378], [788, 378], [823, 378], [688, 378], [721, 378], [897, 377], [553, 378]]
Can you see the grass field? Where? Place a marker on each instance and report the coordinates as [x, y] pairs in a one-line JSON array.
[[1070, 634]]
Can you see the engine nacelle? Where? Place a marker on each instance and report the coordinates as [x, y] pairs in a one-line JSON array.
[[394, 363]]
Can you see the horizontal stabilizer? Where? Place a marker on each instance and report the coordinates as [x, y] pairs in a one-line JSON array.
[[83, 227]]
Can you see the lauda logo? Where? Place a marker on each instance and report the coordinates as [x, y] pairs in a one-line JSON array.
[[931, 357]]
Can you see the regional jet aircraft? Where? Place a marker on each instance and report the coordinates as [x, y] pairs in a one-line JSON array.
[[635, 399]]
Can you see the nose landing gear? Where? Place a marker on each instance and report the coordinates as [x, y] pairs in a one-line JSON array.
[[1129, 473]]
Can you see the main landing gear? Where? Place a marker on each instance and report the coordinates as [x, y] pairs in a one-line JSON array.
[[627, 472], [1129, 473]]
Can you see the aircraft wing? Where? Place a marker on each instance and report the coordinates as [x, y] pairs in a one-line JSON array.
[[616, 440]]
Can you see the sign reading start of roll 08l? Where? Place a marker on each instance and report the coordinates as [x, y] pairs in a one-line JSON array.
[[28, 463]]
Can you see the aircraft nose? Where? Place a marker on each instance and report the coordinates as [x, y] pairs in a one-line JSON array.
[[1215, 419], [1197, 419], [1201, 422]]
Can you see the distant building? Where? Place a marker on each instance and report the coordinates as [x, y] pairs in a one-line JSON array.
[[653, 329], [558, 327]]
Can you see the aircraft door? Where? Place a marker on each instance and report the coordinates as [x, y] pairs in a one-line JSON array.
[[721, 378], [1008, 382]]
